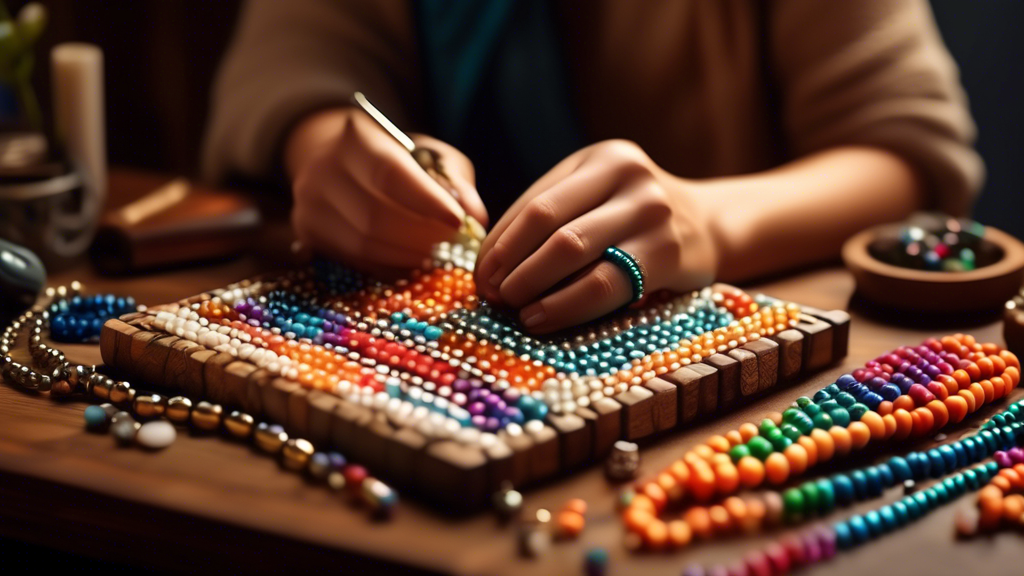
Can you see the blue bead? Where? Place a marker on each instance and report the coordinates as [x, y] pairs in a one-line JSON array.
[[873, 481], [990, 441], [872, 400], [932, 495], [860, 483], [845, 381], [961, 454], [874, 522], [924, 503], [900, 469], [949, 456], [913, 507], [859, 529], [890, 392], [885, 473], [940, 492], [843, 488], [938, 464], [844, 538]]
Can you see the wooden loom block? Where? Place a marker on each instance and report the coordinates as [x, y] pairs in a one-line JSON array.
[[110, 335], [840, 321], [575, 441], [213, 378], [132, 353], [152, 366], [637, 412], [378, 438], [605, 415], [254, 386], [298, 413], [321, 406], [817, 343], [545, 459], [403, 459], [235, 383], [454, 475], [522, 447], [791, 350], [192, 380], [499, 465], [665, 409], [348, 430], [767, 352], [749, 376], [687, 381], [275, 400]]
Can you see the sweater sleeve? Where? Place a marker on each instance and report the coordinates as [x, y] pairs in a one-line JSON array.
[[876, 73], [291, 58]]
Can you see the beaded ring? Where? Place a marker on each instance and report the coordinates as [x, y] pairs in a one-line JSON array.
[[631, 266]]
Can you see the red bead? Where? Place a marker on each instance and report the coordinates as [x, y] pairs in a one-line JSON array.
[[758, 564], [354, 476], [779, 559]]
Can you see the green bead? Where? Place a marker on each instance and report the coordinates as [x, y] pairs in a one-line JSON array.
[[791, 432], [823, 421], [857, 411], [812, 499], [803, 401], [840, 417], [829, 405], [826, 496], [832, 390], [790, 415], [845, 399], [778, 440], [765, 426], [760, 447], [812, 410], [793, 502], [739, 451]]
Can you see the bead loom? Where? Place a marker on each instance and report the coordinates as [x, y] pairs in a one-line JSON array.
[[442, 394]]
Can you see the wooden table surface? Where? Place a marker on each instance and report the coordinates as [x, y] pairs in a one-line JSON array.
[[208, 504]]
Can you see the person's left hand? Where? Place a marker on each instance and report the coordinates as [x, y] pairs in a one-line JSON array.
[[608, 194]]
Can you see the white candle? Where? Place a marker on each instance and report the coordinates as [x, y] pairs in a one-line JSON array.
[[77, 72]]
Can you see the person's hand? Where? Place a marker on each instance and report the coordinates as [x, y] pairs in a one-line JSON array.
[[608, 194], [360, 198]]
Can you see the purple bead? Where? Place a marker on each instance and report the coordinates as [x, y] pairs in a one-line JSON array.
[[875, 383], [945, 367], [478, 421], [492, 424], [913, 373], [812, 548], [1003, 459], [477, 408], [460, 385], [514, 414], [827, 537], [490, 399], [475, 395], [243, 307], [476, 383], [1016, 454], [933, 371], [256, 312], [903, 367]]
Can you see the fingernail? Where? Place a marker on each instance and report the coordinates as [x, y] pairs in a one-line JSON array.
[[496, 278], [533, 315]]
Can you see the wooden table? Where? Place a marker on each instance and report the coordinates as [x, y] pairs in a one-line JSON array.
[[208, 504]]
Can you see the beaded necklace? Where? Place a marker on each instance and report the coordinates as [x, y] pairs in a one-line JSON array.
[[78, 318]]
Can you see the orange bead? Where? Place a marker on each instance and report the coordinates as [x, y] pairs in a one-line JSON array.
[[569, 524], [797, 457], [668, 483], [1002, 484], [736, 508], [657, 495], [939, 412], [775, 417], [720, 458], [884, 407], [1013, 508], [998, 364], [904, 424], [973, 372], [957, 408], [637, 519], [985, 367], [826, 444], [904, 402], [998, 387], [704, 451], [734, 437], [727, 478], [990, 391], [979, 394], [963, 379], [875, 424], [860, 434], [1016, 481], [679, 534], [751, 471], [644, 503], [577, 505], [721, 522], [748, 431], [810, 448], [924, 422], [949, 383], [843, 440], [890, 426], [776, 468], [700, 521], [702, 482], [655, 535], [969, 399], [1010, 358], [1012, 375], [680, 471], [718, 443]]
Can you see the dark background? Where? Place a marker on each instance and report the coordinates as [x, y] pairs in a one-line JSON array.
[[162, 54]]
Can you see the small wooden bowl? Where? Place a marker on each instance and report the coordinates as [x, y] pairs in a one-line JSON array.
[[984, 289]]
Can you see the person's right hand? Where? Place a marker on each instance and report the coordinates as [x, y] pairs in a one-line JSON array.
[[360, 197]]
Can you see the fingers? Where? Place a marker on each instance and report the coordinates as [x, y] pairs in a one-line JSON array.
[[380, 164], [538, 219], [601, 289], [571, 248], [460, 173]]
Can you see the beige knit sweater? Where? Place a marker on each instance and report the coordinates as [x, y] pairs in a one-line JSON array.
[[683, 78]]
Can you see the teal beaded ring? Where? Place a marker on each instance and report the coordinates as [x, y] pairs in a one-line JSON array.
[[631, 266]]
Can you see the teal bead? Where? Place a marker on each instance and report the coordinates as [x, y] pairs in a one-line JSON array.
[[859, 529], [811, 410], [760, 447], [913, 508], [829, 405], [874, 521], [844, 490], [823, 421], [821, 396], [844, 538], [840, 417], [971, 477], [860, 483], [899, 510], [95, 417], [924, 503], [857, 411], [826, 495], [845, 399], [432, 333], [832, 390]]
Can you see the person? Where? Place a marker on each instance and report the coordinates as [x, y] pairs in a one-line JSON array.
[[708, 139]]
